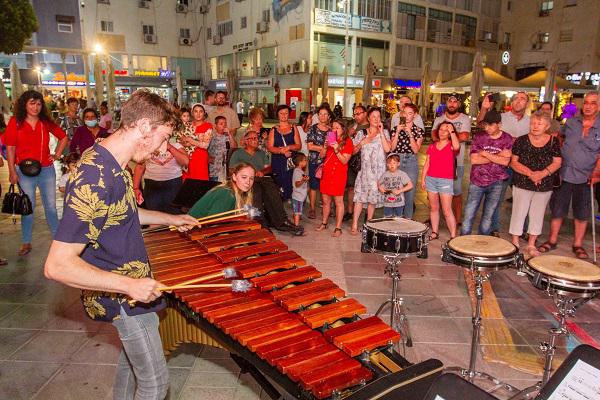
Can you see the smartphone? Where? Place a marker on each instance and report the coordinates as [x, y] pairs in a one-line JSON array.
[[402, 121], [331, 137]]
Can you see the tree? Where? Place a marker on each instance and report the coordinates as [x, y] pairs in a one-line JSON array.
[[17, 23]]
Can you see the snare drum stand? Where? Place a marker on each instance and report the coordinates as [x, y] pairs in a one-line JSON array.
[[398, 320], [470, 373]]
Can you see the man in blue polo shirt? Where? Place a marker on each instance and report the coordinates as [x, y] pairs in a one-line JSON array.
[[99, 247]]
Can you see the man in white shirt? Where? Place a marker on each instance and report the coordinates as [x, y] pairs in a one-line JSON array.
[[223, 110], [514, 122], [403, 101], [239, 108], [462, 124]]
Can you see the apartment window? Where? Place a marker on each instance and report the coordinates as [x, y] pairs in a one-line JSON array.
[[544, 37], [184, 33], [411, 21], [409, 56], [506, 41], [183, 2], [103, 1], [243, 22], [106, 26], [439, 29], [65, 27], [266, 15], [464, 30], [508, 5], [333, 5], [208, 33], [546, 8], [469, 5], [565, 35], [380, 9], [570, 3], [148, 29], [225, 29], [438, 59]]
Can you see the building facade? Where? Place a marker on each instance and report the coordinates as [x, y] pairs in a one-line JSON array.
[[538, 33]]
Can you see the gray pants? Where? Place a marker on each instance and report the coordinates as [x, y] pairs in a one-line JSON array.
[[142, 372]]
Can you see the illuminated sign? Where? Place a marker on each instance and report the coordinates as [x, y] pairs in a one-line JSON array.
[[353, 81], [339, 20], [576, 78], [161, 73], [505, 57], [255, 83], [407, 83]]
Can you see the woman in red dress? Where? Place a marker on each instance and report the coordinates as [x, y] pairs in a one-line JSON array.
[[335, 173], [198, 166]]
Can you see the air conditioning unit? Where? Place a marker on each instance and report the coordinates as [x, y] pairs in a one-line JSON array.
[[144, 4], [217, 39], [149, 38], [185, 41], [280, 70], [300, 66], [262, 27], [203, 9], [181, 8]]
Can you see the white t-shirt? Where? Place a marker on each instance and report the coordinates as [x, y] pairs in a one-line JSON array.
[[302, 134], [163, 166], [462, 123], [513, 126], [239, 107], [62, 181], [104, 119], [299, 193], [418, 121]]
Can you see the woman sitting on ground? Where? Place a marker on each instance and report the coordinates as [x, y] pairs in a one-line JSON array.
[[233, 194]]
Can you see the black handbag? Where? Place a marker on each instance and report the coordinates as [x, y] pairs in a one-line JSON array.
[[30, 167], [16, 203]]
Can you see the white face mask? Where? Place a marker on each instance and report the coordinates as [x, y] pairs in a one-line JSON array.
[[91, 123]]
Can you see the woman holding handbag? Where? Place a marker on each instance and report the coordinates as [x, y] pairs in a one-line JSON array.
[[283, 141], [30, 162]]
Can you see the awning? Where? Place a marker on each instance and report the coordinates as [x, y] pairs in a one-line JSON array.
[[538, 80], [492, 82]]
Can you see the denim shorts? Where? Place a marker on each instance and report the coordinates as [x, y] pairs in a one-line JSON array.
[[575, 194], [297, 206], [439, 185]]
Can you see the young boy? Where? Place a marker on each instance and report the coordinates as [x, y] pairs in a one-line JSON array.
[[490, 155], [300, 186], [393, 183]]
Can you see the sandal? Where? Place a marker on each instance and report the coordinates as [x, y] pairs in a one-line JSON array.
[[337, 232], [547, 246], [321, 227], [25, 249], [312, 214], [434, 236], [533, 251], [580, 252]]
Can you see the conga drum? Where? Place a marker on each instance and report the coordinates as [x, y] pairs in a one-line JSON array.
[[394, 237], [484, 253], [566, 276]]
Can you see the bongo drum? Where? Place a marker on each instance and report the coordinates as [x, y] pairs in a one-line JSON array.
[[484, 253], [564, 275], [394, 236]]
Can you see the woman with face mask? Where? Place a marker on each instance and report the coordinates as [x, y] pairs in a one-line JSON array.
[[85, 136]]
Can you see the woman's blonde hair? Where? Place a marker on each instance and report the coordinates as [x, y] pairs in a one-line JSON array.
[[241, 198]]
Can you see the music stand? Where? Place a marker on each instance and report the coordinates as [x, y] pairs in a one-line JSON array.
[[453, 387]]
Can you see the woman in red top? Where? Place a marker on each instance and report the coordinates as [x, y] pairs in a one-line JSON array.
[[438, 177], [335, 174], [28, 137], [198, 166]]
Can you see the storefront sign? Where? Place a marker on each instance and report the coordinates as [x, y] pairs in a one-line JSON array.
[[339, 20], [161, 73], [407, 83], [258, 83], [221, 85], [576, 78], [62, 83], [353, 81]]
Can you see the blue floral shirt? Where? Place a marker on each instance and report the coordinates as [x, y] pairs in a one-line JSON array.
[[316, 137]]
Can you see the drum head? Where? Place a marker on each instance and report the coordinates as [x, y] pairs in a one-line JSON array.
[[396, 225], [482, 246], [568, 268]]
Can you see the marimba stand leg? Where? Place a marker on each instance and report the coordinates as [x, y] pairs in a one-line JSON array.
[[398, 319], [471, 373], [246, 367]]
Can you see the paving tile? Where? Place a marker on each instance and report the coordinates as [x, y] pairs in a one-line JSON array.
[[521, 309], [177, 379], [247, 389], [184, 356], [51, 346], [204, 393], [439, 330], [212, 379], [18, 293], [7, 309], [21, 380], [210, 352], [79, 383], [103, 348], [221, 365], [56, 293], [12, 339], [28, 317]]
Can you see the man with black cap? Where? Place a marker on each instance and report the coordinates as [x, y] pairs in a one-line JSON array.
[[490, 156], [462, 124]]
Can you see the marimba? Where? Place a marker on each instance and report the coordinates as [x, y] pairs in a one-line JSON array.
[[293, 326]]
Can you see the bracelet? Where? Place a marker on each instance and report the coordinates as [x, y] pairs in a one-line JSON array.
[[549, 173]]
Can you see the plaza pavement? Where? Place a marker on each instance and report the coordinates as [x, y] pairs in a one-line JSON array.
[[50, 350]]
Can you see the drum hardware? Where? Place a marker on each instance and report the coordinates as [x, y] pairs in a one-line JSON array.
[[398, 319]]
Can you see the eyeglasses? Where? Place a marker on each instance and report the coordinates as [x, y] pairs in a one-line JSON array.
[[358, 113]]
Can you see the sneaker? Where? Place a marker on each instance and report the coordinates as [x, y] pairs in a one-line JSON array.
[[495, 233]]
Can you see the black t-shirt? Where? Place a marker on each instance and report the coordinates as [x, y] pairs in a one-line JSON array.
[[536, 159]]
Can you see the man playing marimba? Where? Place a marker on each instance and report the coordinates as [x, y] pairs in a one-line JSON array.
[[99, 248]]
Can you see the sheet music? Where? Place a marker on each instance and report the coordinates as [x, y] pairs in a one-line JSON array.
[[581, 383], [438, 397]]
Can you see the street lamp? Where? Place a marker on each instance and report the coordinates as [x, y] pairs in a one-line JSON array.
[[38, 71]]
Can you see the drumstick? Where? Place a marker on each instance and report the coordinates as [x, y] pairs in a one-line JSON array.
[[226, 273], [220, 214], [241, 286], [210, 221], [206, 219]]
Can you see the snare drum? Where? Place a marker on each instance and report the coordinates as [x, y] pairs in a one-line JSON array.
[[563, 275], [395, 236], [484, 253]]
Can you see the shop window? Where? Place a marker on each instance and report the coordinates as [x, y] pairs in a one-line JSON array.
[[106, 26], [243, 22], [149, 63], [409, 56], [438, 59], [411, 21], [439, 29], [65, 27]]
